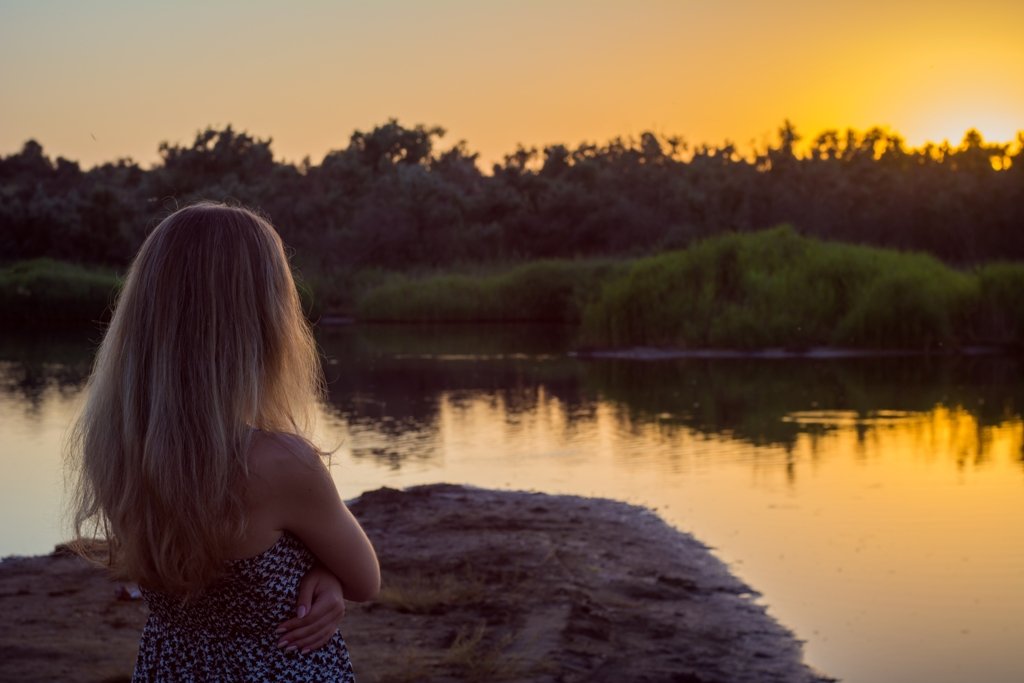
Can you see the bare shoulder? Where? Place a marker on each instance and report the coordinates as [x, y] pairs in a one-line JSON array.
[[283, 457], [281, 467], [293, 485]]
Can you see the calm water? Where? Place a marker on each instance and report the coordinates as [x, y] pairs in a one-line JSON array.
[[878, 505]]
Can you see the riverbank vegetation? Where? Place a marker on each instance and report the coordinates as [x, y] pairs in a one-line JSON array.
[[772, 288], [43, 292], [543, 291], [648, 241], [776, 288]]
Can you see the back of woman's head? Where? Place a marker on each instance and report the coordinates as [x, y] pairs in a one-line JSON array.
[[207, 342]]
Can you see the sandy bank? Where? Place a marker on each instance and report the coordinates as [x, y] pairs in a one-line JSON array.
[[479, 585]]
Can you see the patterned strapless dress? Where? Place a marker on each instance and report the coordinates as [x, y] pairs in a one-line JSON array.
[[229, 632]]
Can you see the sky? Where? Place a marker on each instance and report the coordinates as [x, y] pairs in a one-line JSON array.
[[99, 80]]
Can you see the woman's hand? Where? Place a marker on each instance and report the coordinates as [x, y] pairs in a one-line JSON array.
[[319, 609]]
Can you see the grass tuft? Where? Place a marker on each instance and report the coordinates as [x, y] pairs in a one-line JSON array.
[[476, 659], [418, 593]]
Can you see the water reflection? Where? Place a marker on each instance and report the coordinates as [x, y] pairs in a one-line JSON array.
[[387, 381], [752, 400], [876, 502], [391, 381], [33, 364]]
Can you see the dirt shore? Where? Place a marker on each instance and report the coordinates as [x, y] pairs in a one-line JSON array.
[[479, 585]]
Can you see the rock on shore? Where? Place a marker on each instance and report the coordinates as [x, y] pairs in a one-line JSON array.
[[479, 585]]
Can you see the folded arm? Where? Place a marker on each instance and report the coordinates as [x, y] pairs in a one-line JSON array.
[[320, 605], [306, 503]]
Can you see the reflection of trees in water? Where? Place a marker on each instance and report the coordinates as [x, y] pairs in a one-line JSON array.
[[776, 402], [392, 442], [31, 384], [390, 383], [401, 398], [395, 380], [34, 364]]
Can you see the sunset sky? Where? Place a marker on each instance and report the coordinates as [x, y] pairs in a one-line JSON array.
[[94, 81]]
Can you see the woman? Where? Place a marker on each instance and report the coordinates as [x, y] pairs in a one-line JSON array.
[[192, 461]]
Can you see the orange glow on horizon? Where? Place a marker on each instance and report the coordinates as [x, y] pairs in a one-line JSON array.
[[112, 83]]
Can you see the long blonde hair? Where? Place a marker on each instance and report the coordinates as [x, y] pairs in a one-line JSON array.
[[207, 343]]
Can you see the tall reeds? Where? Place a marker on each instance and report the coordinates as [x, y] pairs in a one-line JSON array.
[[774, 288]]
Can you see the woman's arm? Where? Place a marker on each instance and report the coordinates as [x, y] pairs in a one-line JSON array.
[[307, 503]]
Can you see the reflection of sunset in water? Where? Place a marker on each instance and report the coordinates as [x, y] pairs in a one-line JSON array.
[[878, 539], [891, 539]]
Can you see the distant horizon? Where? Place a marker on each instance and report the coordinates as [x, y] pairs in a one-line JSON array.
[[104, 80], [484, 164]]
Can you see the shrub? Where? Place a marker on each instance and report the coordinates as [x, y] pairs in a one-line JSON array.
[[776, 288], [44, 291], [543, 291]]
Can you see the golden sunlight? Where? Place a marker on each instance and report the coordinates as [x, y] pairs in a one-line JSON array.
[[950, 124]]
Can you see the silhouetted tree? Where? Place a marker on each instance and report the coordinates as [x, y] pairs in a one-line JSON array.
[[392, 197]]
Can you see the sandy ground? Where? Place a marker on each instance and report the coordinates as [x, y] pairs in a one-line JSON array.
[[479, 585]]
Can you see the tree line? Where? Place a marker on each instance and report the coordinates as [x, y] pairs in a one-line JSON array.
[[395, 198]]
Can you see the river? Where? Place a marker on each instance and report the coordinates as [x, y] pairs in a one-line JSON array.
[[877, 504]]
